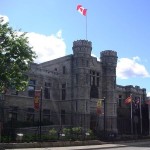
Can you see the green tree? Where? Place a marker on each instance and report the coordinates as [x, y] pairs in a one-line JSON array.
[[15, 57]]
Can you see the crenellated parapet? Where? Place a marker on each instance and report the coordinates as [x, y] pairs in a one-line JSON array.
[[108, 53], [82, 43], [109, 57], [82, 47]]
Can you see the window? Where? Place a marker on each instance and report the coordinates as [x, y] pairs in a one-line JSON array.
[[63, 91], [31, 88], [94, 91], [76, 107], [120, 101], [63, 116], [76, 78], [47, 90], [46, 116], [30, 114], [97, 81], [64, 69]]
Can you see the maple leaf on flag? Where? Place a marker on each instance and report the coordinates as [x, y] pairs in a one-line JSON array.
[[81, 10], [128, 100]]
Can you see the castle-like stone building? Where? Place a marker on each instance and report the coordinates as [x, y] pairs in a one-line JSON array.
[[72, 88]]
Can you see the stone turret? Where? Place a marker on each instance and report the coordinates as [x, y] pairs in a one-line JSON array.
[[82, 47], [81, 78], [109, 63]]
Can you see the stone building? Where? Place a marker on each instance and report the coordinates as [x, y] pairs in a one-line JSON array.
[[71, 88]]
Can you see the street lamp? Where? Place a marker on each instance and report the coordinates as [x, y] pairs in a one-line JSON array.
[[104, 116], [11, 126]]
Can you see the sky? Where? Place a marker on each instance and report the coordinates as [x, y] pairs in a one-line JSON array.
[[119, 25]]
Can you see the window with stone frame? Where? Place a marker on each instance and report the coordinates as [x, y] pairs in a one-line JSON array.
[[30, 115], [31, 88], [47, 90], [46, 116], [94, 82], [64, 91], [64, 70]]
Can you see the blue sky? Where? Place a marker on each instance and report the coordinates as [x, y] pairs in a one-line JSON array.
[[120, 25]]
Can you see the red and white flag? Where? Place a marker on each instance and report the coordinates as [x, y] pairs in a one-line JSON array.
[[81, 10]]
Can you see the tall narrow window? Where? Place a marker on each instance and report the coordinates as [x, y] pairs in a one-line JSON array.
[[46, 116], [31, 88], [93, 80], [63, 91], [47, 90], [76, 78], [120, 101], [64, 70], [63, 116], [76, 106]]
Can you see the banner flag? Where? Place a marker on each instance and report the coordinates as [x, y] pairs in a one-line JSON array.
[[37, 95]]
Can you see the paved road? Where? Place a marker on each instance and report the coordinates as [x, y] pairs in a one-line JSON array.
[[121, 146]]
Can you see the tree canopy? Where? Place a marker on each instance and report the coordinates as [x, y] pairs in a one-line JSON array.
[[15, 57]]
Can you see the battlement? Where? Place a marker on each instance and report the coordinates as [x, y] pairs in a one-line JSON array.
[[81, 47], [80, 43], [108, 53]]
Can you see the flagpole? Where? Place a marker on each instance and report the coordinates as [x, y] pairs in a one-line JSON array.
[[86, 26], [131, 116], [141, 115]]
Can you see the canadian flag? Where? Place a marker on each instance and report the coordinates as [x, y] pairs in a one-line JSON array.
[[81, 10]]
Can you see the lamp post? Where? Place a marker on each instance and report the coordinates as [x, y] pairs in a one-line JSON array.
[[40, 113], [11, 125], [1, 113], [104, 116]]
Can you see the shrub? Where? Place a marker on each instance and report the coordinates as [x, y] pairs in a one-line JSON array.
[[53, 134]]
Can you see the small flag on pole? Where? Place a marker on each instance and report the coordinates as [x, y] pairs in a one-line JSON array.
[[37, 99], [128, 100], [81, 10]]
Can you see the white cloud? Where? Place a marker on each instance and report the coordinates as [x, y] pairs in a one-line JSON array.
[[128, 68], [5, 18], [47, 47], [98, 59], [148, 94]]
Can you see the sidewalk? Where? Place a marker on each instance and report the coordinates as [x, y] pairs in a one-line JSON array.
[[87, 147], [76, 145]]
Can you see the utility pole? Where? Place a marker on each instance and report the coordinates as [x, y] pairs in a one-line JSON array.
[[1, 114]]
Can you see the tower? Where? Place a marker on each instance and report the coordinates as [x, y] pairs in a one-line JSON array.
[[81, 83], [109, 63]]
